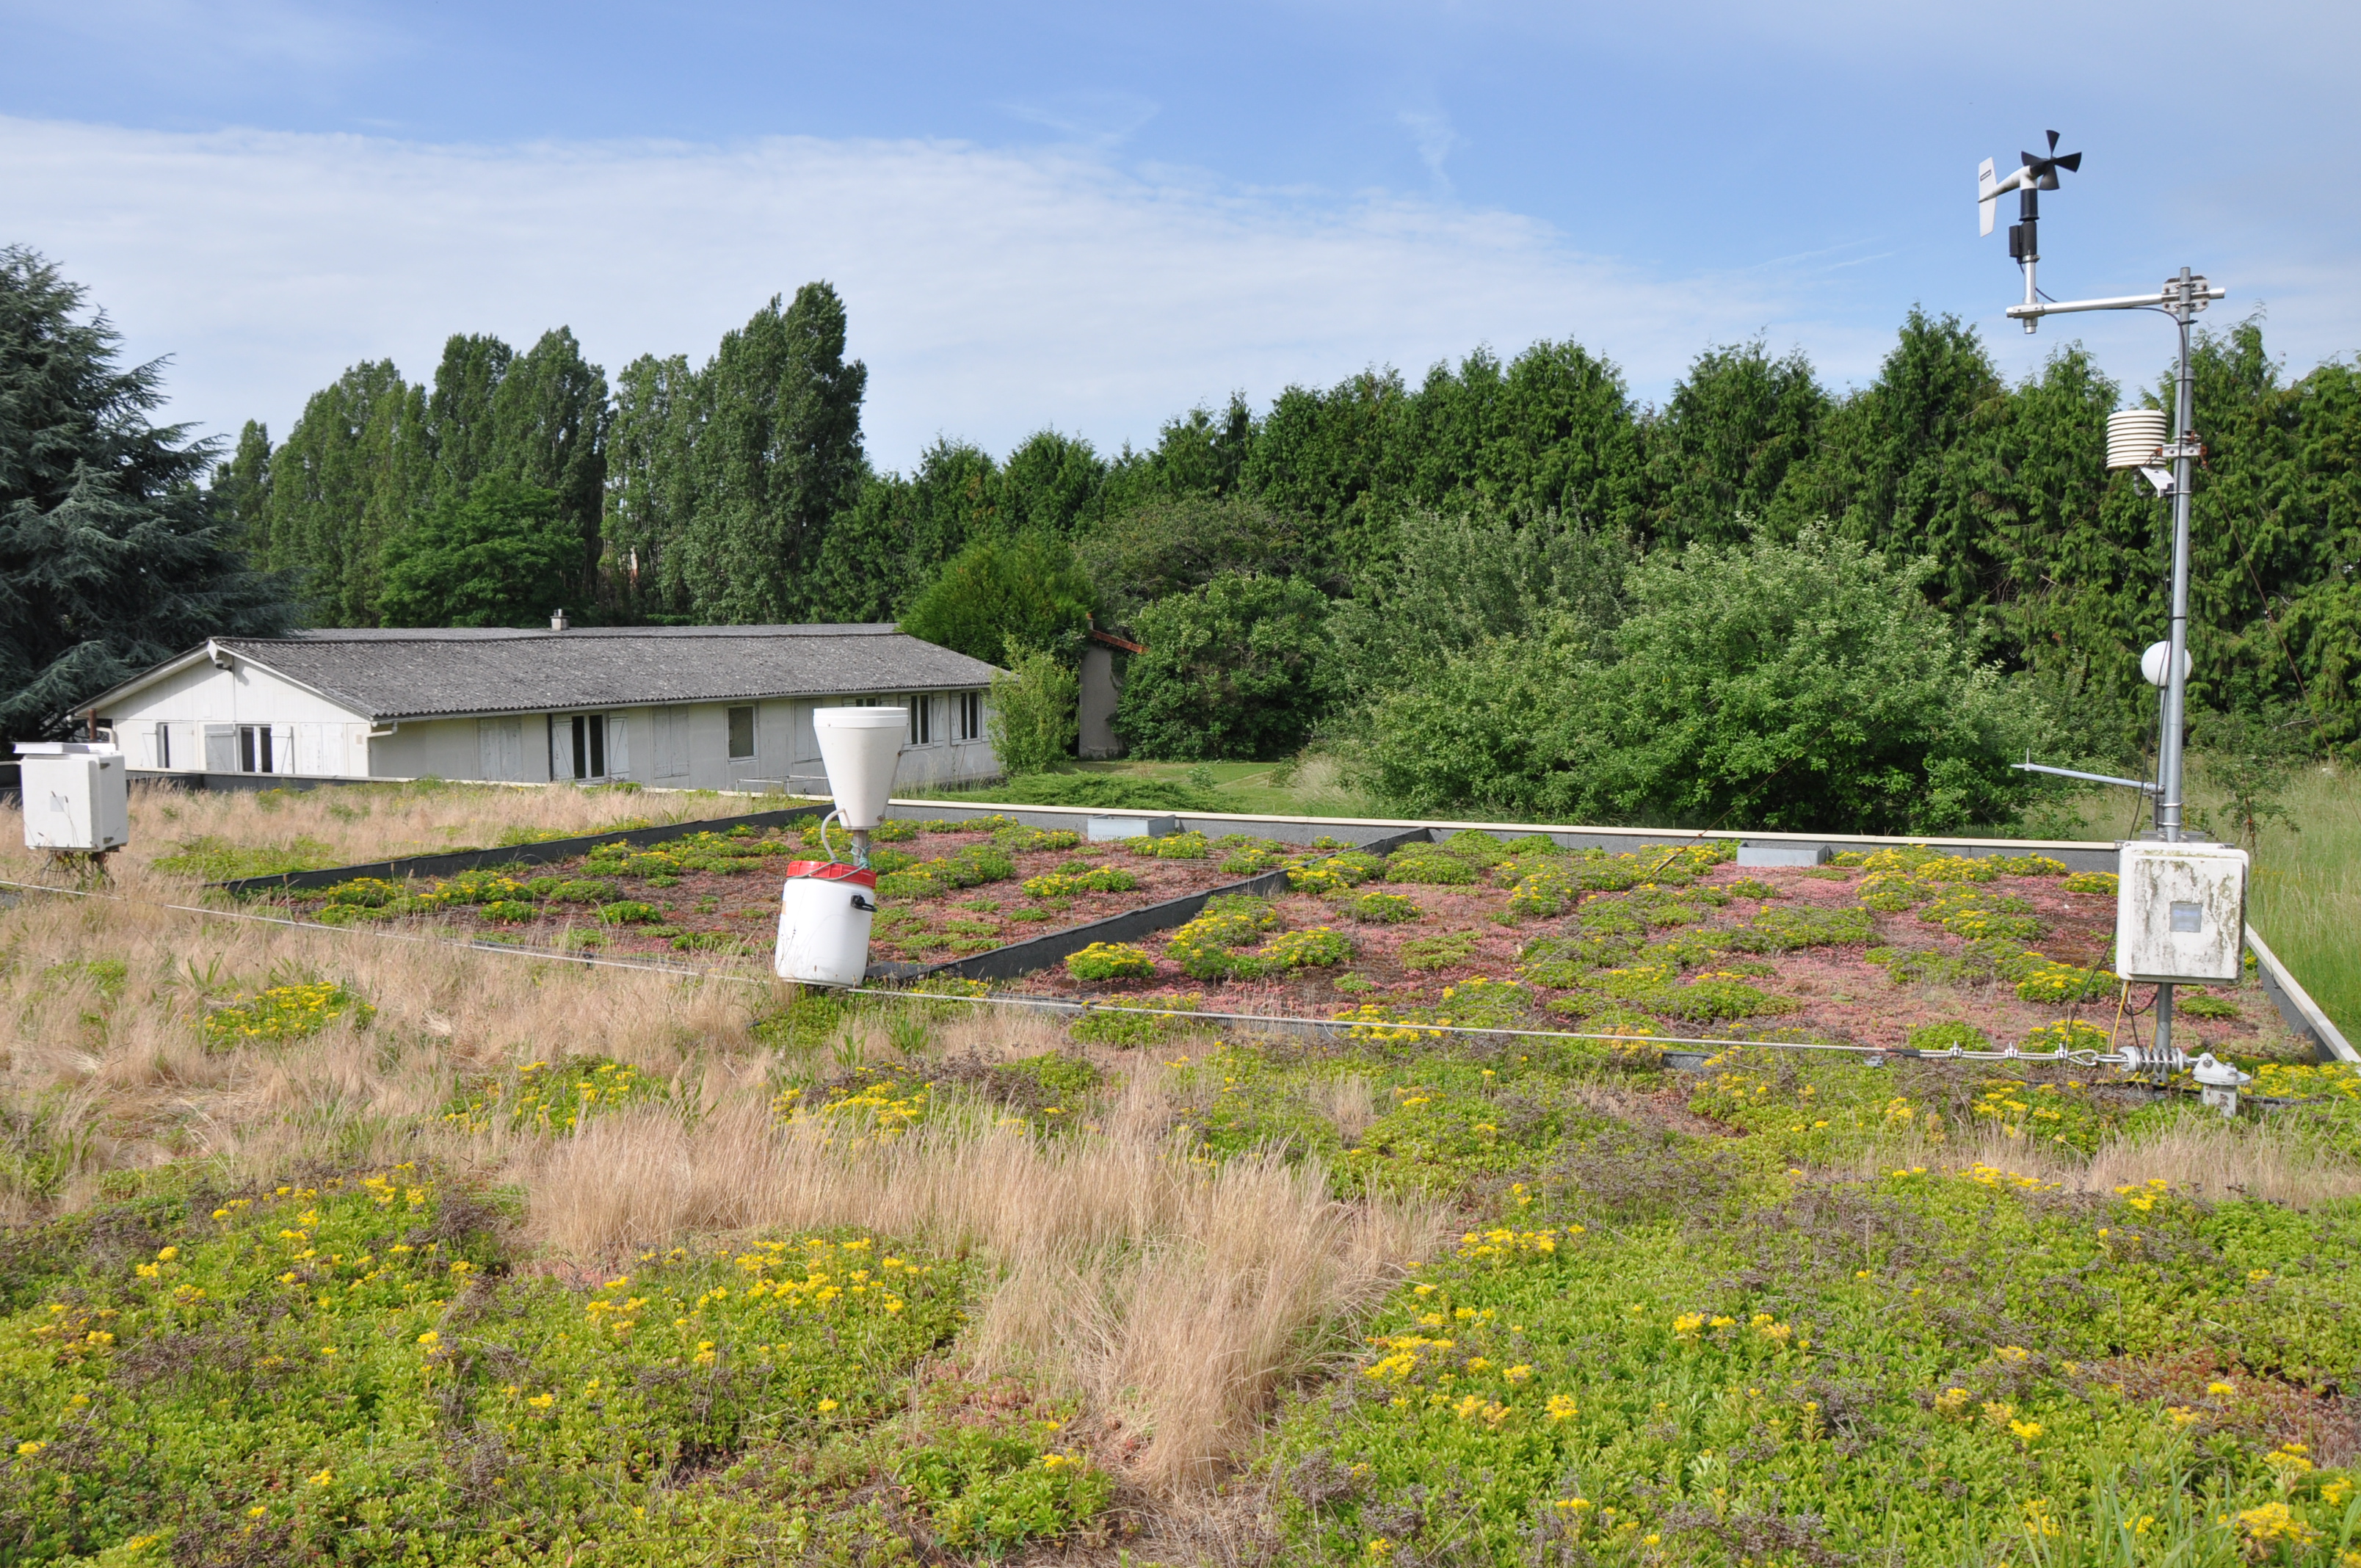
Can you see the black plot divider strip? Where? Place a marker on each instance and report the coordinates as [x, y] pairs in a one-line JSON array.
[[535, 854], [1041, 952]]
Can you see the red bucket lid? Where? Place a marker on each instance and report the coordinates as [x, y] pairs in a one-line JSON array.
[[831, 871]]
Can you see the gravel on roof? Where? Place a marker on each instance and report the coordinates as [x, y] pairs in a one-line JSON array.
[[388, 674]]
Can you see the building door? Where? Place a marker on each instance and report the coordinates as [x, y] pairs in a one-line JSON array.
[[672, 743], [584, 739], [499, 748]]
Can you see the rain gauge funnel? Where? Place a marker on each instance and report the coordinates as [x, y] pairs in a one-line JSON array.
[[826, 907], [860, 747]]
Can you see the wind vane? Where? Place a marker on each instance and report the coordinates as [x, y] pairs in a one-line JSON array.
[[2038, 173]]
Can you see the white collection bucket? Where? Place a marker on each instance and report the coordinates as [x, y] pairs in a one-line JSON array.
[[824, 914], [860, 747]]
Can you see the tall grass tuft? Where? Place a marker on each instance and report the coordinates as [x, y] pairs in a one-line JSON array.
[[2307, 892], [1177, 1298]]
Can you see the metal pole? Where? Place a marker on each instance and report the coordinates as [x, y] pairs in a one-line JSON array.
[[2176, 691]]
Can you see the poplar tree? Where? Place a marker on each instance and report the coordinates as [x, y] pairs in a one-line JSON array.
[[351, 476], [777, 457], [111, 559]]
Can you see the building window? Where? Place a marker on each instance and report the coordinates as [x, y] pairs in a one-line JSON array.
[[254, 749], [970, 725], [922, 721], [163, 746], [589, 745], [741, 734]]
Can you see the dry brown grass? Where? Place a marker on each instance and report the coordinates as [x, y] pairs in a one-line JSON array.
[[2200, 1153], [355, 823], [1348, 1101], [1176, 1297], [115, 1073]]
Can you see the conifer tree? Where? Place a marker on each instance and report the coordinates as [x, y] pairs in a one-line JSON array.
[[111, 557]]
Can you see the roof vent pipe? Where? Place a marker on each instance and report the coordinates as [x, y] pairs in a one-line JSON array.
[[557, 620]]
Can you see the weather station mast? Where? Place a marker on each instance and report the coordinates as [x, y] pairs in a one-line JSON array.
[[2190, 890]]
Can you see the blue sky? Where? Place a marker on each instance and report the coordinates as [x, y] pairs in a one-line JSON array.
[[1094, 217]]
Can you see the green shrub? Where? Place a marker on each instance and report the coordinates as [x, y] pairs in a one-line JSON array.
[[1103, 792], [2092, 882], [1035, 713], [1003, 594], [1751, 887], [1806, 686], [1110, 960], [508, 912], [1381, 908], [1233, 669], [628, 911]]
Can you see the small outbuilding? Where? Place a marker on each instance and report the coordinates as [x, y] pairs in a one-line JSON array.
[[680, 706]]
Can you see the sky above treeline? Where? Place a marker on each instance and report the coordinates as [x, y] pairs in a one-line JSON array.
[[1094, 217]]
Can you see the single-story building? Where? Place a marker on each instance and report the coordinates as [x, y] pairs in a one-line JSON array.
[[682, 707]]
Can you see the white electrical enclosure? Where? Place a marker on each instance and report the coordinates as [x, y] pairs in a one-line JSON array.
[[77, 796], [2180, 913]]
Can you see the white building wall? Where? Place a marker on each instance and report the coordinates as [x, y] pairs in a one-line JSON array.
[[309, 734], [683, 746]]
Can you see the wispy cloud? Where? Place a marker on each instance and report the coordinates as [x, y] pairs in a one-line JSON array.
[[1430, 130], [991, 291], [1100, 119]]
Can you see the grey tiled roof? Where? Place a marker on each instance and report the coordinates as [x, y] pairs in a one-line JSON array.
[[415, 673]]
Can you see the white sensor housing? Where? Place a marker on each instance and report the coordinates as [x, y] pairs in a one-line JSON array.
[[77, 796], [2180, 913], [2134, 436]]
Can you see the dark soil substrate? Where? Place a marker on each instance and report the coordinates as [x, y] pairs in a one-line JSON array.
[[708, 915], [1838, 995]]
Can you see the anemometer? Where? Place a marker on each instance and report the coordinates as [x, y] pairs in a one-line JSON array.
[[2181, 905]]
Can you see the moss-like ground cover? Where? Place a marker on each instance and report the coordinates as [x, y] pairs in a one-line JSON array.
[[361, 1372], [1668, 1333]]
